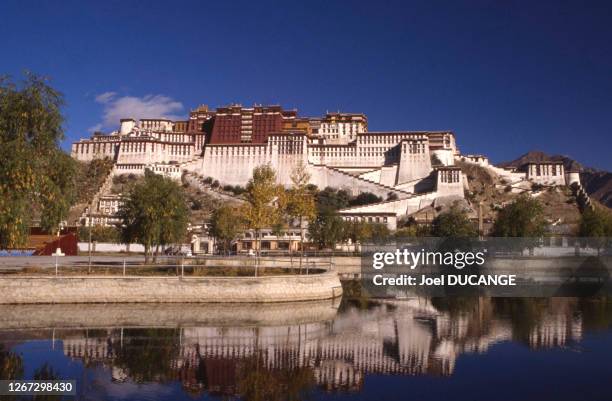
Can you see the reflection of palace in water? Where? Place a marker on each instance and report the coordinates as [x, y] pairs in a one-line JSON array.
[[403, 338]]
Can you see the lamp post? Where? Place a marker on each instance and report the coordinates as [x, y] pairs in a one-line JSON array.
[[58, 250], [89, 243]]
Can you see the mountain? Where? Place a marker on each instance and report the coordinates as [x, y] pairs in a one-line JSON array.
[[597, 183]]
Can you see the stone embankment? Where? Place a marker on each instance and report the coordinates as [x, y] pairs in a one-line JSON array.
[[126, 289]]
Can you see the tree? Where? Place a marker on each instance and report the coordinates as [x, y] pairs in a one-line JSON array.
[[360, 231], [379, 231], [301, 201], [522, 218], [365, 198], [596, 227], [453, 223], [596, 222], [260, 211], [101, 234], [327, 229], [36, 176], [226, 222], [332, 199], [357, 231], [154, 213]]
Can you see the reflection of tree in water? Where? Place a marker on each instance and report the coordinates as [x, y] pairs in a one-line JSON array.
[[456, 305], [548, 322], [11, 368], [256, 382], [524, 314], [147, 354], [11, 365], [596, 313], [46, 372]]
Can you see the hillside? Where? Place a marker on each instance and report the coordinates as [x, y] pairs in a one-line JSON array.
[[597, 183], [493, 193], [88, 179]]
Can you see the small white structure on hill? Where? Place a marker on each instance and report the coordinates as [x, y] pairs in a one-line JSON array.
[[545, 173]]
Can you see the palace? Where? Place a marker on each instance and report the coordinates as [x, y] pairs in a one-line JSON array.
[[413, 169]]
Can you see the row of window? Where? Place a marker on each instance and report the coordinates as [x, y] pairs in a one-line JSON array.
[[270, 234], [140, 147], [239, 150], [369, 219], [393, 138], [450, 176], [96, 148]]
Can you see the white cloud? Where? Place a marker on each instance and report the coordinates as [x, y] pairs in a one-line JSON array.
[[95, 128], [105, 97], [149, 106]]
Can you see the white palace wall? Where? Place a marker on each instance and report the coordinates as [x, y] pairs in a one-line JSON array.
[[234, 164], [415, 161]]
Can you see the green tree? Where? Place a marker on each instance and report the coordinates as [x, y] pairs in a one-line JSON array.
[[226, 222], [361, 231], [596, 227], [100, 234], [262, 210], [365, 198], [596, 222], [154, 213], [301, 201], [331, 199], [453, 223], [327, 229], [522, 218], [379, 231], [36, 176]]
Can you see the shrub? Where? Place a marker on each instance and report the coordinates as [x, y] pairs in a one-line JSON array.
[[365, 198], [238, 190], [391, 196], [522, 218], [196, 204], [454, 223]]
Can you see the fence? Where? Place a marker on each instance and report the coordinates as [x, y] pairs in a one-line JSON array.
[[170, 266]]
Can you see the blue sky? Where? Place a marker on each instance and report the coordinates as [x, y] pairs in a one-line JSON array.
[[507, 77]]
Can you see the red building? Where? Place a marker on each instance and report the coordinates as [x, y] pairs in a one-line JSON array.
[[237, 124]]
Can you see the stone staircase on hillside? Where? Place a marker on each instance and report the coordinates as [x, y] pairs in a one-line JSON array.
[[196, 180], [582, 197], [104, 188], [398, 192]]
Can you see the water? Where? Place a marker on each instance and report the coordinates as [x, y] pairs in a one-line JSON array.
[[460, 349]]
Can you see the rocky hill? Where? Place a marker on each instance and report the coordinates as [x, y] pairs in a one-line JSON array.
[[597, 183], [490, 192]]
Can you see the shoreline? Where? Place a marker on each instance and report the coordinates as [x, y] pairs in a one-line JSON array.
[[139, 289]]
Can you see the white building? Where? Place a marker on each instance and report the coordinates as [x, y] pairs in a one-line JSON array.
[[545, 173]]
